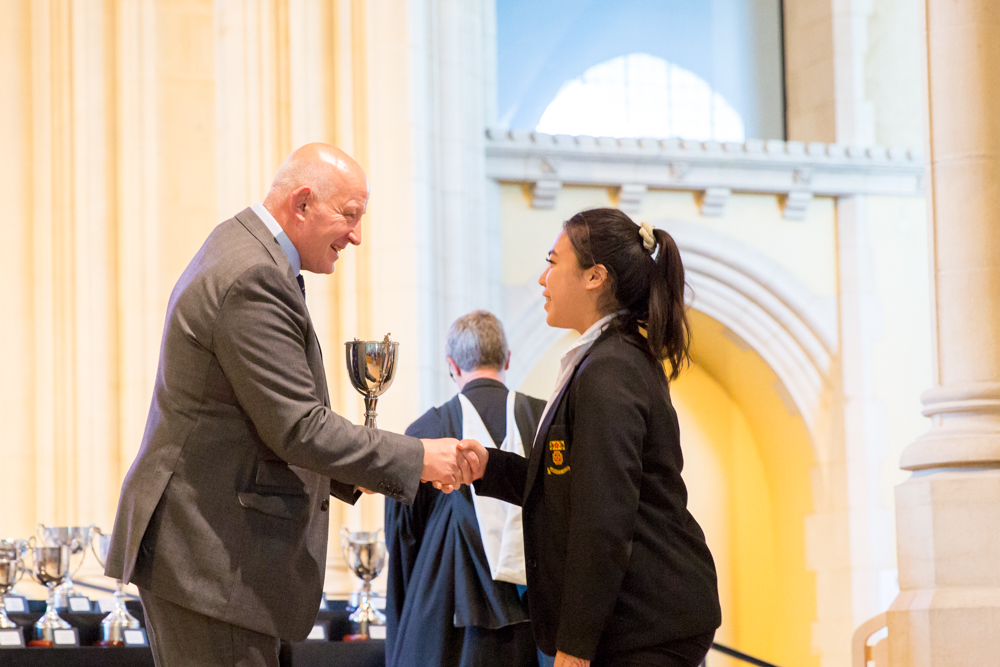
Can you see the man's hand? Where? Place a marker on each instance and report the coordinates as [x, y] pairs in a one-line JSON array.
[[443, 464], [564, 660], [472, 459]]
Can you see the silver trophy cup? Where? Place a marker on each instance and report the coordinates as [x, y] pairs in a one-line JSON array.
[[371, 365], [365, 556], [10, 573], [50, 567], [114, 625], [77, 538]]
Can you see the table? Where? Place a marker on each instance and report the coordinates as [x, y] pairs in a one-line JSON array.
[[300, 654]]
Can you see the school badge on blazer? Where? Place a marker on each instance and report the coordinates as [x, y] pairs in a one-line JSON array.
[[557, 458]]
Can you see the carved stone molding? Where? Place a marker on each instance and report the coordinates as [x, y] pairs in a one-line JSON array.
[[544, 193], [795, 205], [772, 167], [712, 201], [630, 197]]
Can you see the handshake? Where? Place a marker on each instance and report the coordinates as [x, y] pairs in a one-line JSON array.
[[449, 463]]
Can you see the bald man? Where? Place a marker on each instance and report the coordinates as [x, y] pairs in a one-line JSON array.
[[223, 517]]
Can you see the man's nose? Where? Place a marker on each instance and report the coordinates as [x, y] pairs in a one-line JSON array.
[[355, 236]]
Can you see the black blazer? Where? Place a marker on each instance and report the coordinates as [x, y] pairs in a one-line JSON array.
[[615, 561]]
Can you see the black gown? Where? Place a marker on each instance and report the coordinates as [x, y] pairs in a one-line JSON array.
[[443, 606]]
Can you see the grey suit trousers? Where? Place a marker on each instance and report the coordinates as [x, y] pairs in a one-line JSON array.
[[180, 637]]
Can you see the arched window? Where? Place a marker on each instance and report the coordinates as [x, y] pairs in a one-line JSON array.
[[639, 95]]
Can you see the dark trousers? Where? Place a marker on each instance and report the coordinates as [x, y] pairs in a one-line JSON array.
[[180, 637]]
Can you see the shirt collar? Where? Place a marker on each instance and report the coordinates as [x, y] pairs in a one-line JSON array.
[[280, 236], [593, 333]]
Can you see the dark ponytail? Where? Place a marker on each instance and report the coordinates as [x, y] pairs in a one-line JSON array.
[[650, 289]]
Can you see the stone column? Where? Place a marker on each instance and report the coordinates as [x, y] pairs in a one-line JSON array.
[[947, 513]]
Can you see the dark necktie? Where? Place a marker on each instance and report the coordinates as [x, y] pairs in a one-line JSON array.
[[302, 284]]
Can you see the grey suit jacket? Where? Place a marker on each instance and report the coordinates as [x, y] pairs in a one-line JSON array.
[[224, 510]]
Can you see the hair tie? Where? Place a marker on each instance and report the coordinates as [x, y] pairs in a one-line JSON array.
[[648, 239]]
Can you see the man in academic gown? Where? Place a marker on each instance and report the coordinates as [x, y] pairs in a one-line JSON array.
[[456, 561]]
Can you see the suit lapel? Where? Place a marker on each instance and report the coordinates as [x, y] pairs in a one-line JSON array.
[[259, 230], [256, 226]]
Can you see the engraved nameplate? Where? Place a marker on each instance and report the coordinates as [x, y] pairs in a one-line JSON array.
[[80, 605], [136, 638], [15, 605], [317, 634], [65, 637], [11, 638], [376, 631], [106, 605]]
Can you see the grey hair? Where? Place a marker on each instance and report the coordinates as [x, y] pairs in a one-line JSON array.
[[476, 341]]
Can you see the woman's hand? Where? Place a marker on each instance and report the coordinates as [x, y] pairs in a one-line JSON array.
[[564, 660]]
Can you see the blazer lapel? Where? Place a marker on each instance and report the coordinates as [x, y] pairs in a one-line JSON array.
[[537, 447], [259, 230]]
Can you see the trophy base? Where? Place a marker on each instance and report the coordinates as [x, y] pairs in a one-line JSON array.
[[114, 625], [104, 643], [356, 638], [47, 625], [40, 643]]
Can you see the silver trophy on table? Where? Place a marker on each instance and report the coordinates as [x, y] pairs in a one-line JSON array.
[[50, 567], [114, 625], [11, 570], [77, 538], [371, 365], [365, 555]]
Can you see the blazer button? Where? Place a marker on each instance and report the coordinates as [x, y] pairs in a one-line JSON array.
[[531, 562], [324, 506]]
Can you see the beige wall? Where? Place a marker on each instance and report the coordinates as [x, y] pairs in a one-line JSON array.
[[130, 129]]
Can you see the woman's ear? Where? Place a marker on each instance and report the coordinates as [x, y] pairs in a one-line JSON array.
[[596, 277]]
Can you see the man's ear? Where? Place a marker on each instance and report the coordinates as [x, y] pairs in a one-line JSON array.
[[453, 370], [300, 200], [506, 365]]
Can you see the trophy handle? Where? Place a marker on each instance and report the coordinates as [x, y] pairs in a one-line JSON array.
[[76, 547], [93, 544]]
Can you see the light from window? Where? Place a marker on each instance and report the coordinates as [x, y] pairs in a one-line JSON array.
[[639, 95]]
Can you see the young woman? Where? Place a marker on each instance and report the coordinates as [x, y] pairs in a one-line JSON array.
[[618, 570]]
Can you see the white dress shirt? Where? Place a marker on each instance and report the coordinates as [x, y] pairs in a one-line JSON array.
[[280, 236], [572, 356]]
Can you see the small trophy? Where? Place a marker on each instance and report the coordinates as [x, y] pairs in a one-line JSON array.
[[114, 625], [10, 573], [50, 567], [371, 366], [77, 538], [365, 556]]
